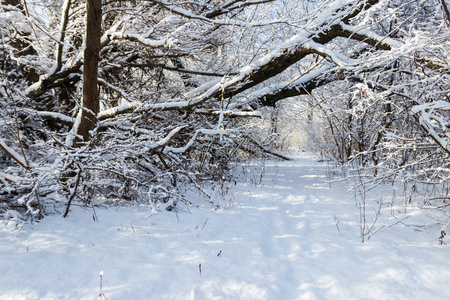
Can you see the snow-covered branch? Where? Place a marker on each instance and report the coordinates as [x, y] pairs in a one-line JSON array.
[[432, 123], [19, 159], [166, 141], [138, 107], [302, 85], [369, 37], [229, 113], [195, 72], [48, 115], [263, 148], [4, 178], [122, 93], [192, 140]]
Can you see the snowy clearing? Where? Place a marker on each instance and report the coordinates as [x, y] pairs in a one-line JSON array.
[[294, 236]]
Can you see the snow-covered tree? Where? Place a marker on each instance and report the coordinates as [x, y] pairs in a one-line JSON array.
[[180, 82]]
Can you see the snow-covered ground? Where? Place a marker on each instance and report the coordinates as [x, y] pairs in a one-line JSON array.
[[292, 237]]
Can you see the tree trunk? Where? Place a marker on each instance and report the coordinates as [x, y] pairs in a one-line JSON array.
[[90, 102]]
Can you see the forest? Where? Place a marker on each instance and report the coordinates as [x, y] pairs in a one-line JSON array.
[[131, 101], [224, 149]]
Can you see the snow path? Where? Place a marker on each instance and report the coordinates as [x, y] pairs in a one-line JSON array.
[[278, 240]]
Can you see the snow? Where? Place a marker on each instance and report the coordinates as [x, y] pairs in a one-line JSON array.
[[294, 236]]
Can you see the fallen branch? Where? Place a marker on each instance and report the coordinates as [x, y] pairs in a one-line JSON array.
[[19, 159], [266, 150]]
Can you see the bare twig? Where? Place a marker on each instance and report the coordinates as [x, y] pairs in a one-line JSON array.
[[202, 228], [74, 192]]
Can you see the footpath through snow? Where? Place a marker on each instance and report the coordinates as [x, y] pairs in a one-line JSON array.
[[292, 237]]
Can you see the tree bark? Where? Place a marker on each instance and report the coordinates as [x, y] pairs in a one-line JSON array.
[[62, 33], [90, 102]]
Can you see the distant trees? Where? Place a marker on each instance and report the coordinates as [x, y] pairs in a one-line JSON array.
[[395, 102], [389, 114], [179, 83]]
